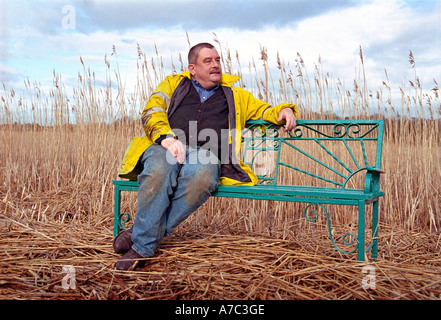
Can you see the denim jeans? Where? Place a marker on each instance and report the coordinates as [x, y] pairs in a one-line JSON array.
[[169, 192]]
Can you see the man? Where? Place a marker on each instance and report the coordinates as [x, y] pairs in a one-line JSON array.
[[192, 140]]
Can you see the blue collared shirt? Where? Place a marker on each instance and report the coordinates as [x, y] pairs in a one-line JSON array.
[[204, 94]]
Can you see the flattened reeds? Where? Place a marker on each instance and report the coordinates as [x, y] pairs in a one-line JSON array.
[[209, 267]]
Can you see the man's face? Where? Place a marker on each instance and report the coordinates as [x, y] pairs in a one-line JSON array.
[[207, 70]]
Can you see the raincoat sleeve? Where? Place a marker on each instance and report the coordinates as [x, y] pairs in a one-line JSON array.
[[256, 109], [154, 116]]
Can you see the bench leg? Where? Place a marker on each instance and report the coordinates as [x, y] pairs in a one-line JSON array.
[[117, 211], [361, 234], [374, 230]]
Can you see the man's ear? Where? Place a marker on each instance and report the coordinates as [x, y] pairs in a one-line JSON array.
[[191, 69]]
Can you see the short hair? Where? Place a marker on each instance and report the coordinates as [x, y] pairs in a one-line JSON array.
[[194, 51]]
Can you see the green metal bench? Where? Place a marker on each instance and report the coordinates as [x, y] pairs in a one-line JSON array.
[[319, 163]]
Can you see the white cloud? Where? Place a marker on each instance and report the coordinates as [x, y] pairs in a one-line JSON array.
[[386, 30]]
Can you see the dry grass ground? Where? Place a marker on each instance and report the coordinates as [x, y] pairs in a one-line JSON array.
[[213, 266]]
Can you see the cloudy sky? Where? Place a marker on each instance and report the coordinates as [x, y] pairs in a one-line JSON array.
[[37, 37]]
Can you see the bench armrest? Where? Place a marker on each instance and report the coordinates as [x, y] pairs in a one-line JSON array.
[[373, 169], [372, 179]]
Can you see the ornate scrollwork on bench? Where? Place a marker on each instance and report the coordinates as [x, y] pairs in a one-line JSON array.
[[312, 215], [266, 138], [124, 218]]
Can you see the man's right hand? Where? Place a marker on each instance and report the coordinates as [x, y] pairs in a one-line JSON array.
[[175, 147]]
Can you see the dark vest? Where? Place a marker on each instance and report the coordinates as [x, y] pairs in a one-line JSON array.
[[201, 123], [230, 167]]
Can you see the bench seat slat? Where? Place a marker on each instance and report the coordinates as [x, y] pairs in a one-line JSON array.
[[263, 191], [282, 197], [276, 190], [300, 191]]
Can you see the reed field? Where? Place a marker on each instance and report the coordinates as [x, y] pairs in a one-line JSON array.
[[61, 150]]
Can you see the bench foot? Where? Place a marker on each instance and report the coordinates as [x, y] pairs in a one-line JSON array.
[[120, 218]]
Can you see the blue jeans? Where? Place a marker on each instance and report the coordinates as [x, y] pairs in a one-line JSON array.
[[169, 192]]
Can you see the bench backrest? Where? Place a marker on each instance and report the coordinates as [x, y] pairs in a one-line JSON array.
[[316, 152]]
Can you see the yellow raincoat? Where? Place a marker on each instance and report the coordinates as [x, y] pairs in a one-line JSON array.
[[167, 96]]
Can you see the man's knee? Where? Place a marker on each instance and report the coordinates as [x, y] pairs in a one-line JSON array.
[[202, 183]]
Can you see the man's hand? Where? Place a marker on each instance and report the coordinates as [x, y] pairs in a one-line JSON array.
[[290, 120], [175, 147]]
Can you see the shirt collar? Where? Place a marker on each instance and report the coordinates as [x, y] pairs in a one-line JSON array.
[[196, 83]]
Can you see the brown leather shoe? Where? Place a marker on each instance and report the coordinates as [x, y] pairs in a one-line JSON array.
[[123, 241], [130, 261]]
